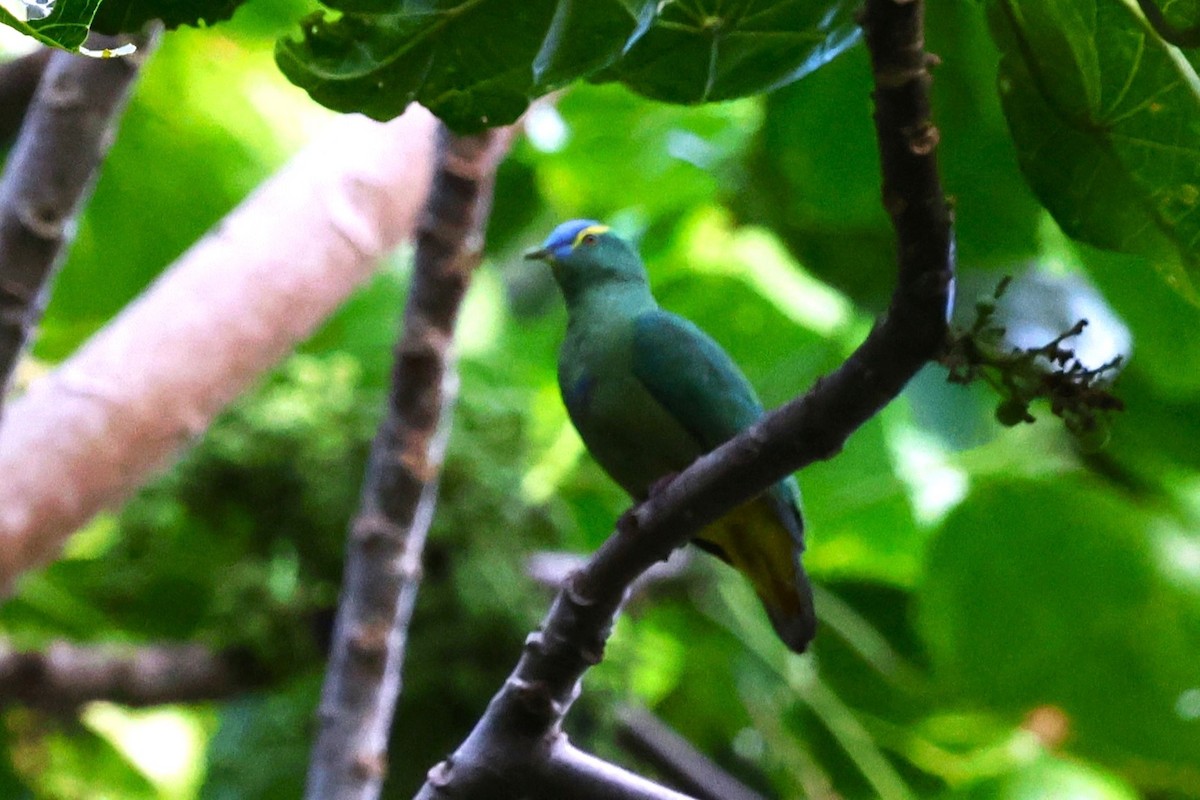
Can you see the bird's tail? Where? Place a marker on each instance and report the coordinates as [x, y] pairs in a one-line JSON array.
[[763, 544]]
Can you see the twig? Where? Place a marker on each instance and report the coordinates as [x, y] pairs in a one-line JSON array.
[[646, 736], [52, 169], [19, 78], [1080, 395], [95, 428], [508, 745], [383, 560], [1188, 37], [569, 772], [63, 676]]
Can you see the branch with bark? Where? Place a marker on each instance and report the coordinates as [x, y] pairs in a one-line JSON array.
[[53, 167], [89, 433], [19, 79], [62, 676], [383, 559], [518, 748]]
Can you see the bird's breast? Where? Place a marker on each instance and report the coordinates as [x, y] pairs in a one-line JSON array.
[[625, 429]]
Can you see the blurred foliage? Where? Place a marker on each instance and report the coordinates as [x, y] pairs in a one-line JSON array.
[[1003, 615], [214, 118]]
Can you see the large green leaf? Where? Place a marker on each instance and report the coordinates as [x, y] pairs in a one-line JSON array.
[[65, 27], [1106, 120], [1060, 594], [478, 63], [121, 16], [69, 21], [703, 50]]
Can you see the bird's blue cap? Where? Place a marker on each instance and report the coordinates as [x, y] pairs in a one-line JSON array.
[[563, 239]]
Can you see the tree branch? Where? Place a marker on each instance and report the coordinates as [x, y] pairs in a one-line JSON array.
[[19, 79], [63, 676], [383, 560], [91, 431], [569, 772], [510, 740], [645, 735], [52, 169]]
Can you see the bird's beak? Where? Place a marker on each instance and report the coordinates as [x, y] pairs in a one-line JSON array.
[[539, 254]]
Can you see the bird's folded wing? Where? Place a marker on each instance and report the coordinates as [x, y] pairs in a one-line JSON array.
[[692, 378]]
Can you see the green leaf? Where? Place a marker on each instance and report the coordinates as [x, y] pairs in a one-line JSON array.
[[376, 63], [126, 16], [478, 63], [1106, 119], [586, 35], [66, 27], [1062, 594], [698, 52]]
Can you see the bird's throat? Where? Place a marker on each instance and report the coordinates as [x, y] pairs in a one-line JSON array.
[[611, 299]]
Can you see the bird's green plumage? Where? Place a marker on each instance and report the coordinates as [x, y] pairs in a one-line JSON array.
[[649, 392]]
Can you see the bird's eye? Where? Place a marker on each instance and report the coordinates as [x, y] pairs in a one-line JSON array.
[[589, 239]]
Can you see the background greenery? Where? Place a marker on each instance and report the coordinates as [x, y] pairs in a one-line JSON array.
[[1003, 615]]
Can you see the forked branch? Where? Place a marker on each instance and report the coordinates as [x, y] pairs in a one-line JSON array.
[[515, 745]]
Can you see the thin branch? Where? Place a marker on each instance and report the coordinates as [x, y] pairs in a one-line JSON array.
[[510, 740], [383, 560], [51, 171], [646, 736], [569, 772], [63, 676], [1188, 37], [89, 433], [19, 78]]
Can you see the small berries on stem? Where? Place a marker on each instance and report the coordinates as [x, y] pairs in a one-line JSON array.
[[1079, 395]]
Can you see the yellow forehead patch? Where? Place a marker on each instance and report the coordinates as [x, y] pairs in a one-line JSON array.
[[590, 229]]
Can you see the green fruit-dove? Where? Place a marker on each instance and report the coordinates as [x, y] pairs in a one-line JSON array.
[[649, 392]]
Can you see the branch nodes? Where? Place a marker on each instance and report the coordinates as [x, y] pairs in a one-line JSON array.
[[1080, 395]]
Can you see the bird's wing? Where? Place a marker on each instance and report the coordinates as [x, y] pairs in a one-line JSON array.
[[692, 378], [698, 384]]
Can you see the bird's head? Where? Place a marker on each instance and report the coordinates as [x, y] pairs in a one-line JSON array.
[[583, 253]]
